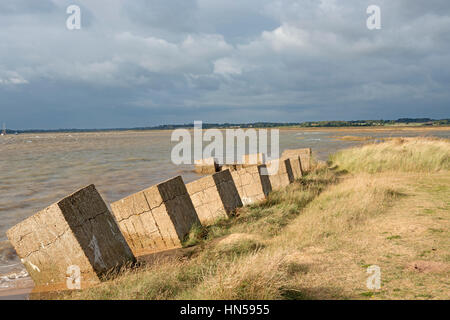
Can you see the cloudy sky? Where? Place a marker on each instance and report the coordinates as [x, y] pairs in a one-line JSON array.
[[149, 62]]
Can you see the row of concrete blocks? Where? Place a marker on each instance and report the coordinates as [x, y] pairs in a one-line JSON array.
[[210, 165], [79, 232]]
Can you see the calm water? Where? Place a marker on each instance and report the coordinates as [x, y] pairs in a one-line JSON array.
[[37, 170]]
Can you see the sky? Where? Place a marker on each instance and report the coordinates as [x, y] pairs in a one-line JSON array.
[[149, 62]]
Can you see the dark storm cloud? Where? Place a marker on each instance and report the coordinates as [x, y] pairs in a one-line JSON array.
[[137, 63]]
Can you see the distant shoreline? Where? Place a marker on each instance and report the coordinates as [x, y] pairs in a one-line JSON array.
[[287, 128], [310, 125]]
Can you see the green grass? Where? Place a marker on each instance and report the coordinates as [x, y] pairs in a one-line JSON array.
[[394, 237]]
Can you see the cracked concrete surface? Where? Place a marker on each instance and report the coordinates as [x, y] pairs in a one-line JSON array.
[[61, 236], [251, 185]]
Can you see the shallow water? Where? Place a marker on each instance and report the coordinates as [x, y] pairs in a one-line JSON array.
[[37, 170]]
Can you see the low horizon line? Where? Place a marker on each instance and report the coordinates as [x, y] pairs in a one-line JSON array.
[[213, 124]]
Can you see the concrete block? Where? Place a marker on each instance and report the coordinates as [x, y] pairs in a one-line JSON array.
[[295, 152], [157, 218], [304, 154], [306, 162], [252, 159], [280, 173], [250, 184], [206, 166], [76, 231], [231, 167], [296, 166], [214, 196]]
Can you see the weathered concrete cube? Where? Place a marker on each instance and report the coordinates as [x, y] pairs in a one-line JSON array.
[[231, 167], [76, 233], [252, 159], [304, 154], [157, 218], [206, 166], [296, 166], [280, 173], [251, 185], [306, 162], [214, 196]]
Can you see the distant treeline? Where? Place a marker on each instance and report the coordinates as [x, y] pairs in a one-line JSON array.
[[308, 124], [370, 123]]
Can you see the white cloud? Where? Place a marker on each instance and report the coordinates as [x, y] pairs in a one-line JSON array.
[[286, 37], [226, 66], [194, 54], [11, 78]]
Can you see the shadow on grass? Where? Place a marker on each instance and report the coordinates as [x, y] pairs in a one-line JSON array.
[[319, 293]]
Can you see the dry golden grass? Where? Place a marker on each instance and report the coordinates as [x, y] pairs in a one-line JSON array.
[[316, 238], [385, 223], [399, 155]]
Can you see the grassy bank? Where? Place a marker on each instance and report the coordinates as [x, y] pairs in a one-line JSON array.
[[399, 155], [381, 204]]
